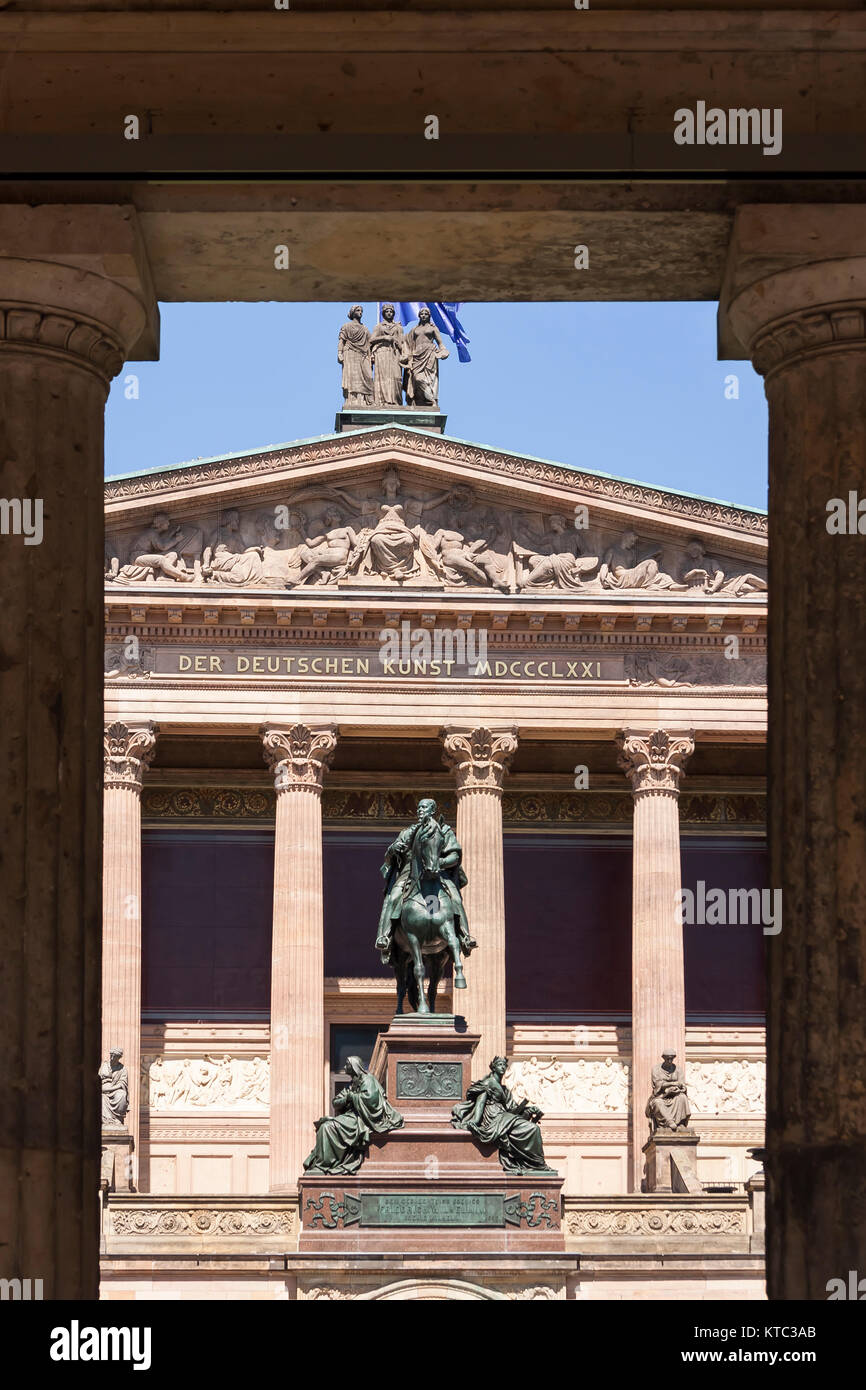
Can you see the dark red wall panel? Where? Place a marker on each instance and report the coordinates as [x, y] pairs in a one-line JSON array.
[[568, 925]]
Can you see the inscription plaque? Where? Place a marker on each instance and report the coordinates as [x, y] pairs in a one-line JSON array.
[[432, 1209], [426, 1080]]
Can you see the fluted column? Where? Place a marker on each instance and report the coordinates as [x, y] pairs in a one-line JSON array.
[[480, 758], [74, 301], [654, 764], [298, 756], [128, 751], [805, 331]]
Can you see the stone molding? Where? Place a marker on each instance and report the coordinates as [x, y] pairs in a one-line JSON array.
[[55, 332], [299, 755], [654, 763], [128, 749], [350, 447], [479, 757], [810, 333]]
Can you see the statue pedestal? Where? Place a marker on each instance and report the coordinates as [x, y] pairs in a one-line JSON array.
[[356, 417], [672, 1161], [116, 1166], [429, 1186]]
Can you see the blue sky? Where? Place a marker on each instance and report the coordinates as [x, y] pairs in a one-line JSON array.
[[629, 389]]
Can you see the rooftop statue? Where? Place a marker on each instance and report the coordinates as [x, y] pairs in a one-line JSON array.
[[424, 352], [423, 914], [353, 354], [388, 355], [360, 1110]]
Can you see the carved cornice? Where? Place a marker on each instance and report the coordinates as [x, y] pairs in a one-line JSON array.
[[374, 806], [479, 757], [350, 446], [654, 763], [299, 755], [62, 335], [809, 333], [128, 750]]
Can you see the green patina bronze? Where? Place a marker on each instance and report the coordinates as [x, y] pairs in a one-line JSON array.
[[437, 1080], [493, 1116], [432, 1209], [423, 917], [361, 1110]]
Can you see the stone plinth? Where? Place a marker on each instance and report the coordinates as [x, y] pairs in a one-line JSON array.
[[357, 417], [116, 1173], [672, 1162], [429, 1186]]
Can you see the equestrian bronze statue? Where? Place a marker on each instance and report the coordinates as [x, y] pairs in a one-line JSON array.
[[423, 917]]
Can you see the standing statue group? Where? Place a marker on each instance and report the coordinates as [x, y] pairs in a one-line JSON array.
[[380, 367]]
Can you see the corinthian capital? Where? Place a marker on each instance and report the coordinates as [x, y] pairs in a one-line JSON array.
[[654, 763], [298, 755], [128, 749], [479, 757]]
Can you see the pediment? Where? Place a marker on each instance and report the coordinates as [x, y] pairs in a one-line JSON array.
[[397, 507]]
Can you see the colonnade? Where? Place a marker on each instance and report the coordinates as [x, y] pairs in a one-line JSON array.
[[299, 756]]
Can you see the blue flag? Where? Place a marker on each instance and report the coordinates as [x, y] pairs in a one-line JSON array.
[[443, 315]]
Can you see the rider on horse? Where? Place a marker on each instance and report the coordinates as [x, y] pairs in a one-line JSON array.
[[409, 860]]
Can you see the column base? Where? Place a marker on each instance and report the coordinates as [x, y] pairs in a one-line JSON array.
[[672, 1161]]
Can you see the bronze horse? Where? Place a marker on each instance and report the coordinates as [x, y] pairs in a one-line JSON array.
[[426, 930]]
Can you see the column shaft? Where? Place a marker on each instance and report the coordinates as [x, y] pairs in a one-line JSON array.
[[298, 756], [658, 1020], [128, 750], [63, 334], [805, 330], [480, 758]]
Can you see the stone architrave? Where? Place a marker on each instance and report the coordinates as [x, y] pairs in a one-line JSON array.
[[654, 763], [298, 755], [479, 758], [76, 301], [128, 749], [802, 321]]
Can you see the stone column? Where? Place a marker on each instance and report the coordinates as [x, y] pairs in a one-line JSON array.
[[480, 758], [128, 751], [804, 328], [75, 299], [654, 763], [298, 756]]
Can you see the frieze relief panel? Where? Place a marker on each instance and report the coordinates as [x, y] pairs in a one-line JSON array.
[[587, 1086], [591, 1086], [205, 1083], [734, 1087], [399, 533]]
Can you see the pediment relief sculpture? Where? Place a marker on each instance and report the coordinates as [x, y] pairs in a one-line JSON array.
[[422, 534]]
